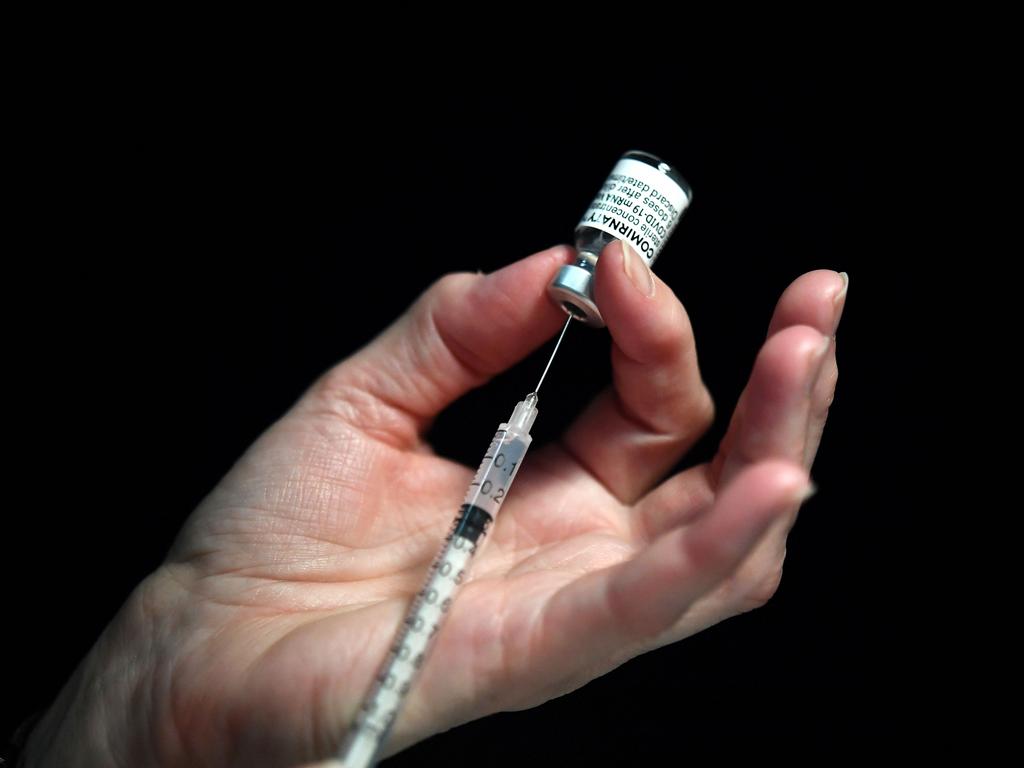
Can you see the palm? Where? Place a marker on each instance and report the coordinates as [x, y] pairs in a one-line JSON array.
[[294, 573], [307, 574]]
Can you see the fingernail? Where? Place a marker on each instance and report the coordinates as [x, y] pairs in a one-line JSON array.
[[637, 270], [839, 301]]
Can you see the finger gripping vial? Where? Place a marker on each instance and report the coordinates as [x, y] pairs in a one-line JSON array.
[[640, 203]]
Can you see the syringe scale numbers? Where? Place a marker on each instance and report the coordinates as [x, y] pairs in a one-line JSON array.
[[499, 466], [488, 489]]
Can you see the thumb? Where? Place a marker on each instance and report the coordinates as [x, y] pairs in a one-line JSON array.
[[462, 331]]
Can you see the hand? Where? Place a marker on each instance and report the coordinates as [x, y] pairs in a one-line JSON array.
[[255, 641]]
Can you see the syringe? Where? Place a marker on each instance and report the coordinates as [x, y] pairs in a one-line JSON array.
[[489, 488]]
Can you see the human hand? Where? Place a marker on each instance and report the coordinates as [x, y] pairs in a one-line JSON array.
[[256, 639]]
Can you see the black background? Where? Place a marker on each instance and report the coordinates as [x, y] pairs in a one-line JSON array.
[[207, 244]]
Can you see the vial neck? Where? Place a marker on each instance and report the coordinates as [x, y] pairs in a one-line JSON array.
[[586, 260]]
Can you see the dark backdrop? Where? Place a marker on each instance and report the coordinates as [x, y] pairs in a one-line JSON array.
[[211, 243]]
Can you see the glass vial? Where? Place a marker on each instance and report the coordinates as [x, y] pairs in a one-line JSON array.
[[640, 203]]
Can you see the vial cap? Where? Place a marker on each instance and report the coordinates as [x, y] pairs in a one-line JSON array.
[[573, 290]]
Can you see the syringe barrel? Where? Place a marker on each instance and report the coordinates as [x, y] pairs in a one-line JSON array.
[[449, 570]]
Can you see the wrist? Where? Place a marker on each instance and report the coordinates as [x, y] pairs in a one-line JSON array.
[[75, 730], [100, 717], [13, 751]]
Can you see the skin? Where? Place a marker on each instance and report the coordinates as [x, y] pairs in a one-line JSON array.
[[254, 642]]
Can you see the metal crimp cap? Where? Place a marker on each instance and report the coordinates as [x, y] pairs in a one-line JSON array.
[[573, 289]]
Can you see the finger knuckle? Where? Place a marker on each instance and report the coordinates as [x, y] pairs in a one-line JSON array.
[[763, 588], [434, 337], [448, 287], [703, 413], [673, 337], [707, 554], [780, 348], [832, 382], [338, 393], [753, 587], [826, 394], [444, 292]]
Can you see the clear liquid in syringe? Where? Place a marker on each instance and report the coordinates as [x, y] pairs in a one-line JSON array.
[[490, 485]]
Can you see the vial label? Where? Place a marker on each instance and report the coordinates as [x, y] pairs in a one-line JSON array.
[[638, 204]]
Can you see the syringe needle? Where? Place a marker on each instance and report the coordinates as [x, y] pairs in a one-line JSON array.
[[553, 353]]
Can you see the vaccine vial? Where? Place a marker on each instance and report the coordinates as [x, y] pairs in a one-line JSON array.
[[640, 203]]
